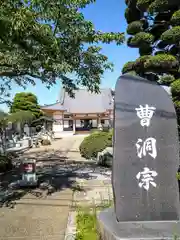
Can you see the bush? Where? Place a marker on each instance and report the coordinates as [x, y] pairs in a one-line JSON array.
[[94, 143], [94, 130], [45, 142], [5, 163]]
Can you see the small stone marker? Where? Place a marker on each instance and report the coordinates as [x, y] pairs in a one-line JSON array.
[[29, 177], [145, 162]]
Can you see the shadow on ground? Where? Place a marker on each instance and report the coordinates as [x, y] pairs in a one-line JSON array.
[[52, 178], [46, 155]]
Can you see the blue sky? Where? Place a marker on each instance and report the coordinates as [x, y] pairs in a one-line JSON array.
[[107, 15]]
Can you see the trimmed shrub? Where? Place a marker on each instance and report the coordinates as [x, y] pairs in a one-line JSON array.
[[94, 143]]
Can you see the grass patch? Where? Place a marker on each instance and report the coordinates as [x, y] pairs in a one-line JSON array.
[[86, 221], [86, 225]]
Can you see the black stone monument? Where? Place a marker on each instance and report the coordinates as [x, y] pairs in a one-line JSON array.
[[145, 163]]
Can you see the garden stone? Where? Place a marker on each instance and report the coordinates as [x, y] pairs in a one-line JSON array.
[[145, 162], [104, 158]]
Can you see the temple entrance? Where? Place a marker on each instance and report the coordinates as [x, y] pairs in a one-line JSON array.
[[86, 124], [68, 125]]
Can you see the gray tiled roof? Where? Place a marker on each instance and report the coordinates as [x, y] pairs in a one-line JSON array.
[[55, 106], [87, 102], [84, 102]]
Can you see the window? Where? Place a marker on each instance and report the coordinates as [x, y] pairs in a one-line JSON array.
[[102, 121], [67, 116]]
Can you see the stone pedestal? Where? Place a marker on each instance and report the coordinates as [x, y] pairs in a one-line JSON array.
[[110, 229]]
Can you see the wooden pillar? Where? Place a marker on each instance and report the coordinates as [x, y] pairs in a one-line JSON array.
[[99, 119], [62, 120], [74, 125]]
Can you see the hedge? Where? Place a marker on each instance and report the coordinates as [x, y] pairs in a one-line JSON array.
[[94, 143]]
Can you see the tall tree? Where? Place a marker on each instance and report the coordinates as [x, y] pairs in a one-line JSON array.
[[154, 28], [48, 40], [26, 102]]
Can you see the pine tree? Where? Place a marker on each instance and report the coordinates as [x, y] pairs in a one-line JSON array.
[[154, 28]]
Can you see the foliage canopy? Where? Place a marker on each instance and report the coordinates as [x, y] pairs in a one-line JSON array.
[[154, 28], [26, 102], [48, 40]]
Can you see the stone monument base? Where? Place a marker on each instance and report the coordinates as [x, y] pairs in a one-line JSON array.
[[110, 229]]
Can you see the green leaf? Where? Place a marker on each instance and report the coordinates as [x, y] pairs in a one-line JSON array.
[[143, 4], [27, 104], [158, 42], [163, 5], [175, 88], [135, 27], [166, 79], [47, 40], [172, 35], [129, 66], [162, 63], [142, 38], [175, 20], [145, 50], [20, 116], [139, 64], [132, 14], [158, 5]]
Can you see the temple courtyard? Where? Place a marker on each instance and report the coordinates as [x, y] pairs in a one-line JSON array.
[[47, 212]]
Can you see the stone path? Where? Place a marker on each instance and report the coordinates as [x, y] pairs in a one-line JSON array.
[[66, 149], [45, 217], [94, 190], [34, 214], [38, 216], [34, 219], [60, 145], [95, 186]]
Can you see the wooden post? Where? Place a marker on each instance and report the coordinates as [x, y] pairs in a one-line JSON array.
[[74, 125]]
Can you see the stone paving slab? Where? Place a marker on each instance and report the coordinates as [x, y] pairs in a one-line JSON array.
[[75, 155], [96, 189], [64, 194], [34, 222], [35, 219], [44, 202], [60, 145], [94, 196]]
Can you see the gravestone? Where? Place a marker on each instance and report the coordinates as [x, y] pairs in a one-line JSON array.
[[145, 162]]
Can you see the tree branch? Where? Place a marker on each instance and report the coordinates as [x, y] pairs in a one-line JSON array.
[[56, 24], [11, 74]]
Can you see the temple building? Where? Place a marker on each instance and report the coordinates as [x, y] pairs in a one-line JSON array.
[[82, 113]]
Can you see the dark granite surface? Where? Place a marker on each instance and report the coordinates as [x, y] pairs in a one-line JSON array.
[[134, 199]]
